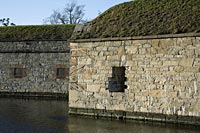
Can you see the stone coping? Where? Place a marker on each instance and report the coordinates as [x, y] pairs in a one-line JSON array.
[[142, 116], [37, 40], [137, 37]]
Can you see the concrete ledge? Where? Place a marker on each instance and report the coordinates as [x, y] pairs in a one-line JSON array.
[[137, 37], [43, 95], [124, 115]]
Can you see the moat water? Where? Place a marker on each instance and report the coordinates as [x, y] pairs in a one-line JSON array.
[[50, 116]]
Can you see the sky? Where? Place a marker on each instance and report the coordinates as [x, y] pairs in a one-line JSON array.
[[33, 12]]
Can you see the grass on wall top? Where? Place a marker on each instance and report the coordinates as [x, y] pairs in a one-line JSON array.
[[146, 17], [41, 32]]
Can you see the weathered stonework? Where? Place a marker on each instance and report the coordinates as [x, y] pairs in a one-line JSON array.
[[163, 78], [39, 61]]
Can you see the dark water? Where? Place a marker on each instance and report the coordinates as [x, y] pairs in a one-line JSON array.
[[50, 116]]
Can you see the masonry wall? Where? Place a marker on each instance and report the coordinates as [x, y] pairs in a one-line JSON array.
[[38, 61], [163, 78]]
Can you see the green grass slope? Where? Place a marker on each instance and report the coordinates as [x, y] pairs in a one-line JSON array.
[[41, 32], [146, 17]]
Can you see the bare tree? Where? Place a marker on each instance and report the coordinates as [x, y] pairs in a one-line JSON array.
[[6, 22], [71, 14]]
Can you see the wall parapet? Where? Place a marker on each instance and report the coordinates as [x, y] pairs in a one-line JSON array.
[[34, 47]]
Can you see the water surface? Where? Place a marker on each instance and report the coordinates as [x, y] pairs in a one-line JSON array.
[[50, 116]]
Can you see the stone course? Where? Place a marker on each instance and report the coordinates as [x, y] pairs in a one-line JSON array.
[[163, 76], [39, 59]]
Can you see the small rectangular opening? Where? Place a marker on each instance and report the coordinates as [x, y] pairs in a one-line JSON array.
[[116, 82], [61, 73], [18, 72]]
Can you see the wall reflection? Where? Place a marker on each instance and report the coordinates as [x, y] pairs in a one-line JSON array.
[[22, 115]]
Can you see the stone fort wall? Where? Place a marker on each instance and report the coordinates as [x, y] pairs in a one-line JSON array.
[[162, 78], [34, 67]]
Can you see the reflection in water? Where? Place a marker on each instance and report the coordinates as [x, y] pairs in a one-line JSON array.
[[49, 116], [17, 115], [84, 125]]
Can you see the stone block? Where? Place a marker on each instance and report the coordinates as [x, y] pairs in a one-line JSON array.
[[192, 69], [118, 107], [80, 104], [84, 61], [139, 42], [73, 95], [155, 43], [164, 43], [121, 51], [73, 61], [156, 93], [99, 63], [130, 63], [179, 69], [145, 92], [113, 58], [99, 106], [186, 62], [170, 63], [79, 52], [138, 98], [87, 76], [93, 87], [131, 49], [147, 45], [102, 48], [129, 57], [185, 41], [85, 45], [73, 45], [113, 44], [72, 104], [172, 94]]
